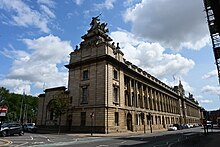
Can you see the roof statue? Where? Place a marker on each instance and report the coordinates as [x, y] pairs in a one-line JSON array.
[[95, 22], [97, 29]]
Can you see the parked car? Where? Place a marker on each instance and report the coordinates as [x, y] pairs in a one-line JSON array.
[[172, 128], [179, 127], [11, 129], [30, 127]]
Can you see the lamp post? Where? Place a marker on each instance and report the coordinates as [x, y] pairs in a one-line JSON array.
[[21, 108], [91, 116]]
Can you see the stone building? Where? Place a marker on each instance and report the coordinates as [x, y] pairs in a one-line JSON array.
[[110, 94]]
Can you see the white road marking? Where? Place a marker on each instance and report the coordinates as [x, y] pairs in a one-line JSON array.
[[123, 142], [37, 142], [22, 144], [49, 140]]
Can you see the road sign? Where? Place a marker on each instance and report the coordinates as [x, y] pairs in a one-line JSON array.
[[3, 110]]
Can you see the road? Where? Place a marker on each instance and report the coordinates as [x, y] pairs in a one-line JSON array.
[[159, 139]]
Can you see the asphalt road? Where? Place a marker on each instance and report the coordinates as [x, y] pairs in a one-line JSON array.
[[159, 139]]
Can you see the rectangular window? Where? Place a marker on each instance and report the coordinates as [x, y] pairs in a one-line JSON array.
[[116, 119], [71, 100], [84, 94], [83, 118], [136, 119], [115, 94], [85, 75], [115, 74]]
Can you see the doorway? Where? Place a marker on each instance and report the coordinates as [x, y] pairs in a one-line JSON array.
[[129, 121]]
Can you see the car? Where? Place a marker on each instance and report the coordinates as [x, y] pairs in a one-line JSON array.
[[30, 127], [179, 127], [8, 129], [172, 128]]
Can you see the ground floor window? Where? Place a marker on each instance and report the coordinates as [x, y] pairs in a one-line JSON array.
[[83, 118], [116, 118]]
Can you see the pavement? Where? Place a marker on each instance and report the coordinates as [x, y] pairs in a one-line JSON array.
[[117, 134]]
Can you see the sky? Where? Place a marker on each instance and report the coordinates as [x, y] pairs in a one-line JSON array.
[[167, 38]]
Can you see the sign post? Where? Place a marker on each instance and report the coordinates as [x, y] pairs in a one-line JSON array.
[[3, 110]]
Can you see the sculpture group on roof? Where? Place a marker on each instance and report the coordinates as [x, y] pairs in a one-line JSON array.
[[95, 24]]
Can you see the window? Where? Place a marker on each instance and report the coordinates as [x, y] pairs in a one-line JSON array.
[[132, 83], [115, 94], [136, 119], [116, 118], [83, 118], [115, 74], [84, 94], [71, 100], [85, 75]]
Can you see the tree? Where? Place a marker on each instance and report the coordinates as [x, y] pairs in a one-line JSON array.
[[4, 95], [59, 106], [13, 102]]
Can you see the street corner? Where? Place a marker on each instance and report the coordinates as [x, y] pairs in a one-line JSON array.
[[5, 142]]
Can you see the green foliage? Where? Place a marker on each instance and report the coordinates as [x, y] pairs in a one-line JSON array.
[[14, 102], [59, 104]]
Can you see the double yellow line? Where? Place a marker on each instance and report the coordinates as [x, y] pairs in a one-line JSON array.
[[7, 142]]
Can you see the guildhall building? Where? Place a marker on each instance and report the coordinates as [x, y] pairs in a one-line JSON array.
[[108, 94]]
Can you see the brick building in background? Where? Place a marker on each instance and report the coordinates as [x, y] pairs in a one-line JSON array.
[[110, 94]]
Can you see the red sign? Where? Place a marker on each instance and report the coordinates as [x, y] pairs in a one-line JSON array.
[[3, 110]]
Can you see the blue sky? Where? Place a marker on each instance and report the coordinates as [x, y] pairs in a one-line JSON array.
[[167, 38]]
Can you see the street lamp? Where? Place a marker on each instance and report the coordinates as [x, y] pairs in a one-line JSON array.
[[91, 116]]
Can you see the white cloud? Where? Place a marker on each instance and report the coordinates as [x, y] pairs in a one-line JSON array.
[[24, 15], [49, 3], [211, 90], [210, 74], [175, 82], [48, 13], [41, 64], [174, 24], [151, 56], [78, 2], [108, 4], [206, 101], [128, 3], [16, 85]]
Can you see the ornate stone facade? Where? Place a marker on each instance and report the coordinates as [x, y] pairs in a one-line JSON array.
[[110, 94]]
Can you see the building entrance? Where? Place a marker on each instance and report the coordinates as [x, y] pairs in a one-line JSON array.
[[129, 121]]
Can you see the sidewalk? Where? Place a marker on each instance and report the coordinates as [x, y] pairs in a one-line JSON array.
[[117, 134]]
